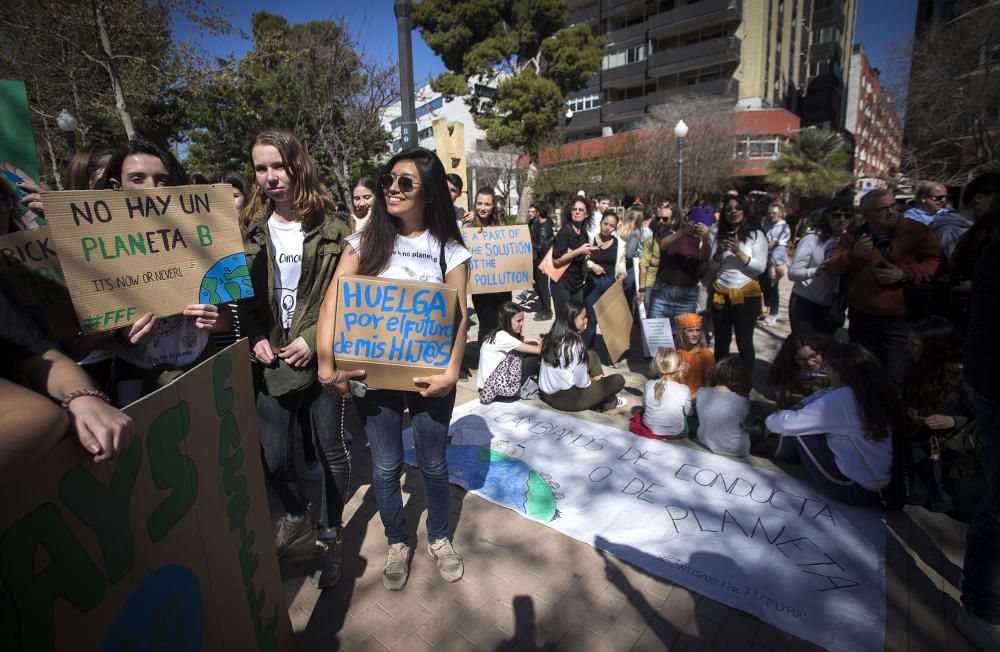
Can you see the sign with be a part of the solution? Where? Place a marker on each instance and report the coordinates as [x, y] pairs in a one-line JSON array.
[[127, 253], [395, 330], [501, 258]]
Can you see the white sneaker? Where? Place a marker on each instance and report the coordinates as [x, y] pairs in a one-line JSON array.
[[770, 320], [449, 562], [397, 567]]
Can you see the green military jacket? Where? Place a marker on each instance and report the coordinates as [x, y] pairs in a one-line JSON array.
[[320, 255]]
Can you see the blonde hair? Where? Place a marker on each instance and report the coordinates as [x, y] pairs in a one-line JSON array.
[[665, 363], [630, 222]]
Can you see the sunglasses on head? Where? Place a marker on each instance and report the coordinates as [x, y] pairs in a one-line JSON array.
[[404, 183], [841, 215], [937, 197]]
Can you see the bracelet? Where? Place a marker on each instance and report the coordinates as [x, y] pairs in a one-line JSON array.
[[326, 382], [77, 393]]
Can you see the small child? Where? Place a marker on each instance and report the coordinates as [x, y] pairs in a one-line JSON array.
[[723, 408], [693, 351], [668, 402], [779, 234]]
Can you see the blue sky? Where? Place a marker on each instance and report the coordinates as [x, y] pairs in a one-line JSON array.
[[372, 23]]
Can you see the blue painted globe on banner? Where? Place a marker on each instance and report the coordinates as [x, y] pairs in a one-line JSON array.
[[227, 280], [165, 612]]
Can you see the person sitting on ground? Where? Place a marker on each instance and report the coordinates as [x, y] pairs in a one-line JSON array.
[[33, 373], [798, 369], [695, 355], [667, 402], [844, 434], [724, 409], [506, 360], [571, 378]]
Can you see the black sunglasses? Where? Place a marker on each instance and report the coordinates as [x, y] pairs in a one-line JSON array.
[[404, 183], [937, 197]]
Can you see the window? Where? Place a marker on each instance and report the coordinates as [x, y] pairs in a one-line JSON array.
[[394, 124], [702, 78], [584, 103], [433, 105], [757, 146], [633, 54]]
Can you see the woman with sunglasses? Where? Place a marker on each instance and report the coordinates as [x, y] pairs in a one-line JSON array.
[[412, 236], [739, 256], [293, 240], [571, 249], [814, 290]]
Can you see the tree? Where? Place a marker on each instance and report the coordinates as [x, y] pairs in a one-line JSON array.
[[813, 164], [525, 49]]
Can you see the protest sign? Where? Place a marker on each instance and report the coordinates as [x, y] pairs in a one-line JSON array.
[[169, 544], [30, 267], [127, 253], [615, 319], [754, 539], [16, 143], [394, 330], [656, 333], [501, 258]]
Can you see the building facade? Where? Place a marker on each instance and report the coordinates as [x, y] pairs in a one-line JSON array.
[[873, 122]]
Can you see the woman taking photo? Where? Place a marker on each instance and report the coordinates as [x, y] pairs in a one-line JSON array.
[[487, 304], [739, 255], [814, 291], [362, 200], [412, 236], [606, 266], [570, 249], [542, 233], [571, 378], [845, 434], [293, 241]]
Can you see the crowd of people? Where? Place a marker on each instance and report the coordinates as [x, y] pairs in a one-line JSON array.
[[900, 406]]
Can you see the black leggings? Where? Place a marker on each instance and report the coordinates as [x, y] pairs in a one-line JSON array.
[[281, 420], [742, 319], [544, 295], [561, 294], [808, 316], [486, 306]]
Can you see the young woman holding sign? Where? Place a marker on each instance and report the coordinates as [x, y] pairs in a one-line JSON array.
[[412, 236], [487, 304], [293, 240]]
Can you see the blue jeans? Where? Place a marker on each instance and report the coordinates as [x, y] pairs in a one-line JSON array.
[[382, 415], [593, 290], [981, 571], [668, 301]]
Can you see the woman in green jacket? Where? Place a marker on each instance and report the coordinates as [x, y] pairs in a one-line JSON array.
[[293, 240]]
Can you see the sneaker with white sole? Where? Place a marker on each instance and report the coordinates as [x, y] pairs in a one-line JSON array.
[[449, 562], [397, 567], [291, 532], [328, 562]]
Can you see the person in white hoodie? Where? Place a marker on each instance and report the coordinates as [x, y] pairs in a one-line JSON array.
[[814, 290], [844, 434]]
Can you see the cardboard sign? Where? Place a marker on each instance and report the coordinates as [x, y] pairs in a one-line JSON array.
[[656, 333], [394, 330], [501, 258], [16, 143], [30, 266], [615, 320], [168, 544], [136, 251]]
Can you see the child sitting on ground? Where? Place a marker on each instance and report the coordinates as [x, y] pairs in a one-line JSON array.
[[667, 401], [506, 359], [693, 351], [723, 408]]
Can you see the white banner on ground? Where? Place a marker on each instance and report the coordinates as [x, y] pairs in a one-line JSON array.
[[751, 538]]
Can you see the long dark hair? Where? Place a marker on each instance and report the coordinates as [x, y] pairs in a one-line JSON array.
[[749, 225], [880, 409], [379, 238], [936, 371], [563, 346], [785, 372], [176, 175], [494, 218], [567, 212], [86, 162], [505, 315], [235, 179]]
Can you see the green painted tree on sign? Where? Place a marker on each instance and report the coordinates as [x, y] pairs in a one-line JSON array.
[[526, 50]]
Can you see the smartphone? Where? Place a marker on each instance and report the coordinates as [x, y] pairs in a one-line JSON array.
[[357, 388], [19, 192]]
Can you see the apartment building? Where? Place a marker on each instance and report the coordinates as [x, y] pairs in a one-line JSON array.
[[873, 122]]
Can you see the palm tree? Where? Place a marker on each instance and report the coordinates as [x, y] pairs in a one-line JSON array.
[[812, 164]]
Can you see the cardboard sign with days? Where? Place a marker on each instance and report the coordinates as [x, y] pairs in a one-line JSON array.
[[615, 320], [127, 253], [501, 258], [394, 330], [170, 541], [30, 267]]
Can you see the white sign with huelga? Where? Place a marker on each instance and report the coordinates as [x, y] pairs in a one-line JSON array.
[[752, 538]]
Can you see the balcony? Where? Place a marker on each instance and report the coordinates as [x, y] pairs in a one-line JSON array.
[[824, 51], [706, 12], [833, 15], [715, 87], [584, 120], [622, 76], [624, 109], [586, 14], [626, 33], [691, 57]]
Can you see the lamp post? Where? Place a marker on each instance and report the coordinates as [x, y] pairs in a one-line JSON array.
[[408, 118], [681, 131], [68, 124]]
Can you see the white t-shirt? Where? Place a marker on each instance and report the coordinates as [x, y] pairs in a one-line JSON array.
[[491, 354], [417, 258], [555, 379], [731, 272], [720, 421], [175, 341], [665, 417], [286, 241]]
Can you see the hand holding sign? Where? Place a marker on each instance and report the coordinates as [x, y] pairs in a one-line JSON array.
[[206, 315], [297, 354]]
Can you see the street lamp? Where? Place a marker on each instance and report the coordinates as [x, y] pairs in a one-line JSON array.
[[569, 113], [68, 124], [681, 131]]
